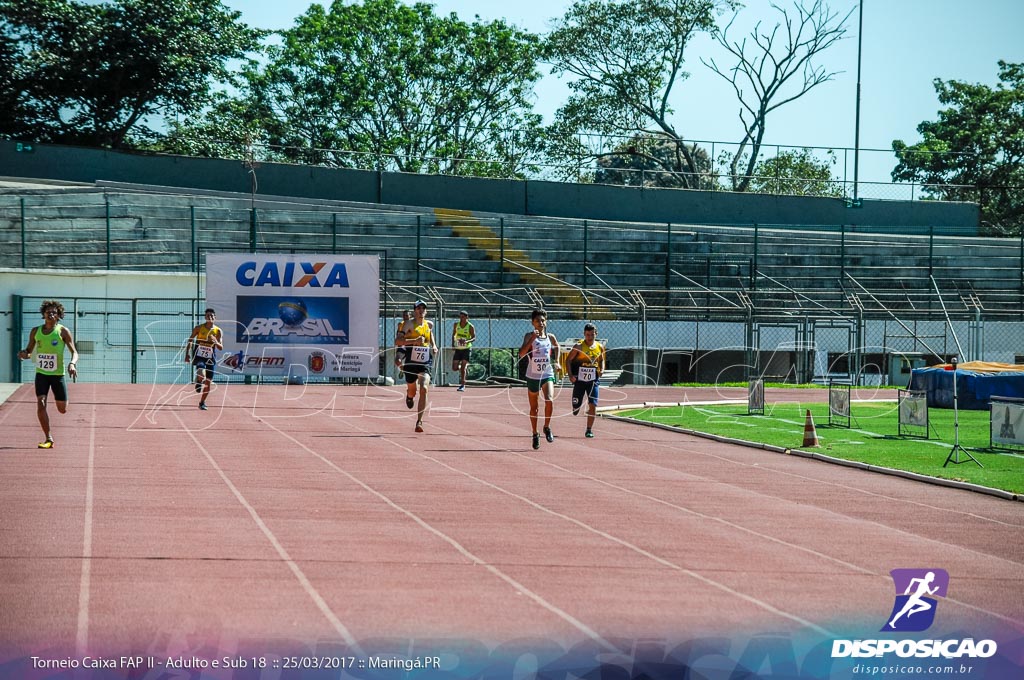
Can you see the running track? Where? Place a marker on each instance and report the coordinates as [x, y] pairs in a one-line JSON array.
[[313, 514]]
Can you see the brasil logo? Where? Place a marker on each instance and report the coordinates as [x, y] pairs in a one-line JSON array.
[[916, 592]]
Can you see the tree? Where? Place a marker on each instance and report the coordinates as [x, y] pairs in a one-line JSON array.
[[773, 70], [383, 85], [649, 161], [626, 60], [975, 150], [92, 74], [796, 173]]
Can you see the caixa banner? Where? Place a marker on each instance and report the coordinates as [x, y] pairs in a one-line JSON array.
[[299, 314]]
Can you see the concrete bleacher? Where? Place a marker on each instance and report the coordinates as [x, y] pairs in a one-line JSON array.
[[570, 263]]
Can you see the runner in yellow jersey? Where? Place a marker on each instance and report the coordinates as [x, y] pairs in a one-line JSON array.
[[204, 343], [46, 345], [417, 337], [586, 364], [463, 335]]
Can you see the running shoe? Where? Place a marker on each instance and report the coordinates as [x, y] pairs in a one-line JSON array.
[[536, 440], [202, 406], [462, 388], [409, 402], [547, 434], [48, 444], [419, 426], [588, 434]]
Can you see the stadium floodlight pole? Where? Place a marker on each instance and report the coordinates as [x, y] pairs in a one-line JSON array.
[[856, 124]]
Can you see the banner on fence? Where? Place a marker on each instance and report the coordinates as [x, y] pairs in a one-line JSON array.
[[1006, 422], [302, 314], [912, 413]]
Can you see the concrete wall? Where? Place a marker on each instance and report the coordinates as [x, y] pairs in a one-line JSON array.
[[554, 199]]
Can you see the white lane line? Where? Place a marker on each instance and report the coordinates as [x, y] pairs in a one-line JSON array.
[[304, 581], [462, 550], [82, 633], [637, 549]]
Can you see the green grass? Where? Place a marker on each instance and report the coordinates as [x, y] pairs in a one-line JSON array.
[[872, 437]]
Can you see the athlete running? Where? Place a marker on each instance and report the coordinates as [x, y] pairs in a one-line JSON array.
[[541, 348], [417, 337], [204, 343], [46, 344], [586, 364], [463, 335]]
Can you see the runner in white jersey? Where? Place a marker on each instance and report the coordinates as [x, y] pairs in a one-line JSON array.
[[541, 350]]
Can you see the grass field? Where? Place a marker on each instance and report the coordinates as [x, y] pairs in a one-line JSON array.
[[871, 438]]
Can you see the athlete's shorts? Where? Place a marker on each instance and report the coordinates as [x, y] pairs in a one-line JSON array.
[[581, 390], [205, 365], [45, 383], [461, 354], [534, 384], [413, 372]]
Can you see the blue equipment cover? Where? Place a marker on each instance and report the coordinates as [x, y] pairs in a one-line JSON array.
[[974, 388]]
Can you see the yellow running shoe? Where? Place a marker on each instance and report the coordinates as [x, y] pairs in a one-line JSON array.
[[48, 444]]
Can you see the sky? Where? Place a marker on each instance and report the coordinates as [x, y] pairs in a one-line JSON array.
[[906, 45]]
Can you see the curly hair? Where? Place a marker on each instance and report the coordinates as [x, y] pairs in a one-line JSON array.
[[52, 303]]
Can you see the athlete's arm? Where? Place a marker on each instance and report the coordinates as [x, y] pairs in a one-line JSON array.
[[189, 348], [65, 334], [472, 332], [27, 352], [433, 342], [527, 341], [218, 340], [568, 361], [601, 360]]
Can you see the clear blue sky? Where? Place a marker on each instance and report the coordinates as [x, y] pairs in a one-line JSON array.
[[906, 44]]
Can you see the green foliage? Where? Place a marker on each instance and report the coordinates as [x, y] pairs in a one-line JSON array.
[[384, 85], [796, 173], [651, 161], [625, 60], [91, 74], [975, 150]]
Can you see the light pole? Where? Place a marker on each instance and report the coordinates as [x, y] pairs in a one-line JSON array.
[[856, 124]]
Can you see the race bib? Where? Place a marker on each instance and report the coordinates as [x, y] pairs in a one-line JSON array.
[[46, 362], [540, 365], [461, 342], [587, 373], [419, 355], [204, 351]]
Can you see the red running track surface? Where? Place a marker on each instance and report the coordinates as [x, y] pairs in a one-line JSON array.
[[312, 514]]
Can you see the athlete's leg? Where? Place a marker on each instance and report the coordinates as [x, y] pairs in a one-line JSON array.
[[534, 409], [548, 388], [424, 383]]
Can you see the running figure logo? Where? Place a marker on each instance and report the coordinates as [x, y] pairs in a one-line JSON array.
[[914, 609]]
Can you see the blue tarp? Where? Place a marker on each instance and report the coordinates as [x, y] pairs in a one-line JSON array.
[[974, 389]]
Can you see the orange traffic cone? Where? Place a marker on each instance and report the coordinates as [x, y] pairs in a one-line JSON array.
[[810, 434]]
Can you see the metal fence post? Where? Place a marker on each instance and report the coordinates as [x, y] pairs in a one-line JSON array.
[[586, 233], [931, 248], [23, 251], [106, 203], [419, 229], [192, 226], [253, 227], [668, 257], [842, 252], [501, 254], [753, 269], [135, 341], [16, 339]]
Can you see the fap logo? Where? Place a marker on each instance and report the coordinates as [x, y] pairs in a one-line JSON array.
[[914, 609]]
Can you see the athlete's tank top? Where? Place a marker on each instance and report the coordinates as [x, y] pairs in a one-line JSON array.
[[586, 366], [463, 335], [48, 352], [204, 342], [415, 354], [538, 364]]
